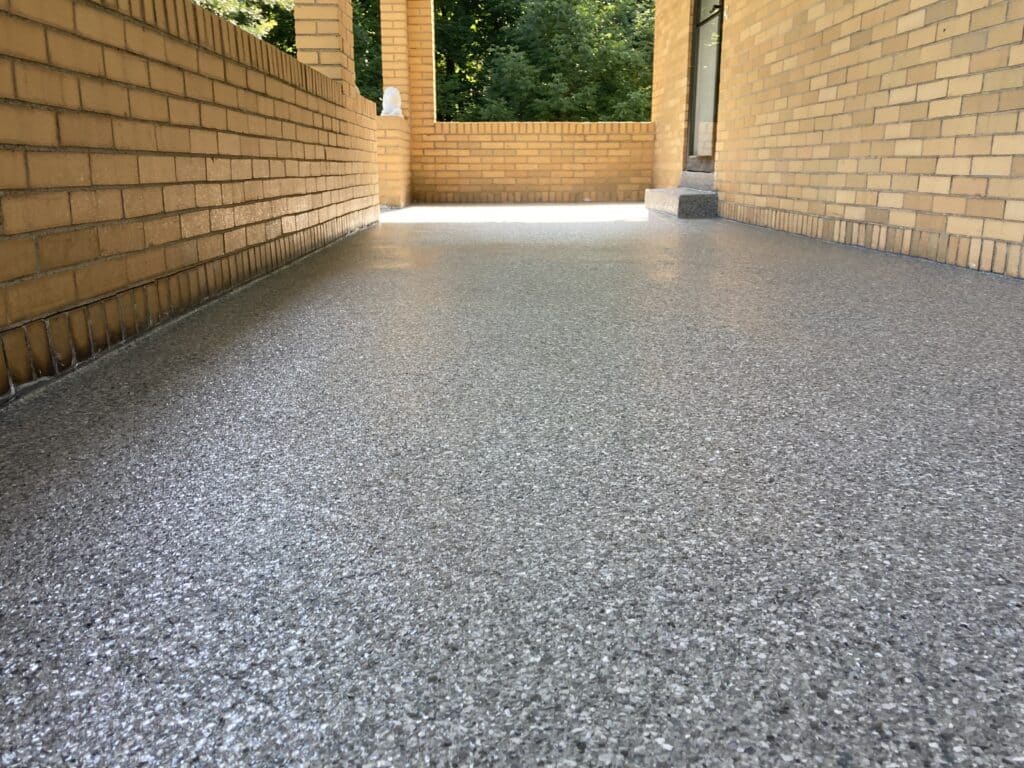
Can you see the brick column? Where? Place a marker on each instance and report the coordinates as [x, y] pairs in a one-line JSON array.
[[394, 136], [394, 45], [670, 106], [422, 98], [323, 37]]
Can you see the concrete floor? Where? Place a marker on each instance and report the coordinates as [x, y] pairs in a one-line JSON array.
[[576, 490]]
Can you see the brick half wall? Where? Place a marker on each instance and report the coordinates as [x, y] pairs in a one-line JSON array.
[[153, 156], [532, 162]]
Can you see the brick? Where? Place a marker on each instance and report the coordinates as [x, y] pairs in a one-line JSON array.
[[144, 201], [17, 258], [38, 84], [146, 265], [64, 249], [84, 130], [73, 53], [58, 169], [31, 213], [59, 13], [99, 25], [195, 224], [26, 125], [156, 169], [100, 278], [134, 135], [121, 238], [172, 139], [5, 381], [79, 325], [1008, 145], [145, 42], [61, 345], [22, 39], [179, 197], [166, 79], [94, 205], [108, 98], [16, 353], [125, 67], [114, 170], [991, 166], [6, 79], [39, 348], [149, 106], [162, 231], [39, 296], [13, 174]]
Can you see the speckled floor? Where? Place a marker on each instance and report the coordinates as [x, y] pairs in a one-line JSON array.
[[592, 492]]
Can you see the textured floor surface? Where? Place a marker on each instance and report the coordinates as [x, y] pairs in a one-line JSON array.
[[594, 492]]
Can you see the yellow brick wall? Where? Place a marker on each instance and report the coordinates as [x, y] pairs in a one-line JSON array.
[[153, 156], [673, 24], [894, 124], [532, 162], [505, 162]]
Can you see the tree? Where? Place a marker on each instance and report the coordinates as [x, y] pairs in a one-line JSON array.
[[464, 33], [366, 29], [274, 22], [270, 20], [544, 59], [503, 59]]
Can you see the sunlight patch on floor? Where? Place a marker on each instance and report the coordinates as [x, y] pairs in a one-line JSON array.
[[516, 214]]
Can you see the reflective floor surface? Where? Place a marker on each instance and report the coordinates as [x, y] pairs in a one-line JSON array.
[[534, 486]]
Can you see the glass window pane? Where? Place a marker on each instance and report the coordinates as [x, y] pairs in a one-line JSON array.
[[705, 85]]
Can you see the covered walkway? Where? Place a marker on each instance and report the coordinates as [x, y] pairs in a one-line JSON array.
[[557, 485]]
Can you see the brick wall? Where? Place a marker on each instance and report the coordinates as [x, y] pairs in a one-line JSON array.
[[673, 24], [503, 162], [152, 156], [532, 162], [894, 124]]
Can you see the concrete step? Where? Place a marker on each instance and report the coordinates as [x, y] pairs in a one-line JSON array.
[[684, 202]]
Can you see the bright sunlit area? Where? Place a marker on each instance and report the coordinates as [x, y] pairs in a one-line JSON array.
[[517, 214]]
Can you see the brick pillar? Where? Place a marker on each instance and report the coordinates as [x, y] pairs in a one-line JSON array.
[[394, 134], [323, 37], [422, 98], [670, 105], [394, 45]]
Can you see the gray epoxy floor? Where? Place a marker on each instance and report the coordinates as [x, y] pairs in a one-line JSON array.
[[603, 492]]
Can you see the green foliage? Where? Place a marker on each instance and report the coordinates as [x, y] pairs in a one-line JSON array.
[[274, 22], [366, 26], [544, 59], [504, 59], [270, 20]]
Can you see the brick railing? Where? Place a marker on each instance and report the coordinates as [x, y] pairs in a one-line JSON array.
[[152, 156], [532, 162]]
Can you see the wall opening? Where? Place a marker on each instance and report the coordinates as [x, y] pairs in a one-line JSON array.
[[273, 21], [544, 60], [366, 32]]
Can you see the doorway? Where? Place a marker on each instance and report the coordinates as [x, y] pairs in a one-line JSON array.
[[707, 58]]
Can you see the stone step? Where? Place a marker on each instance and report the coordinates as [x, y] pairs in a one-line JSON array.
[[684, 202]]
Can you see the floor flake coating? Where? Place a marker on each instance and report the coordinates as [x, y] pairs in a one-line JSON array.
[[483, 490]]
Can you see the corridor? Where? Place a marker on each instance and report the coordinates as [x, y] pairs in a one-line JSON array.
[[533, 485]]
